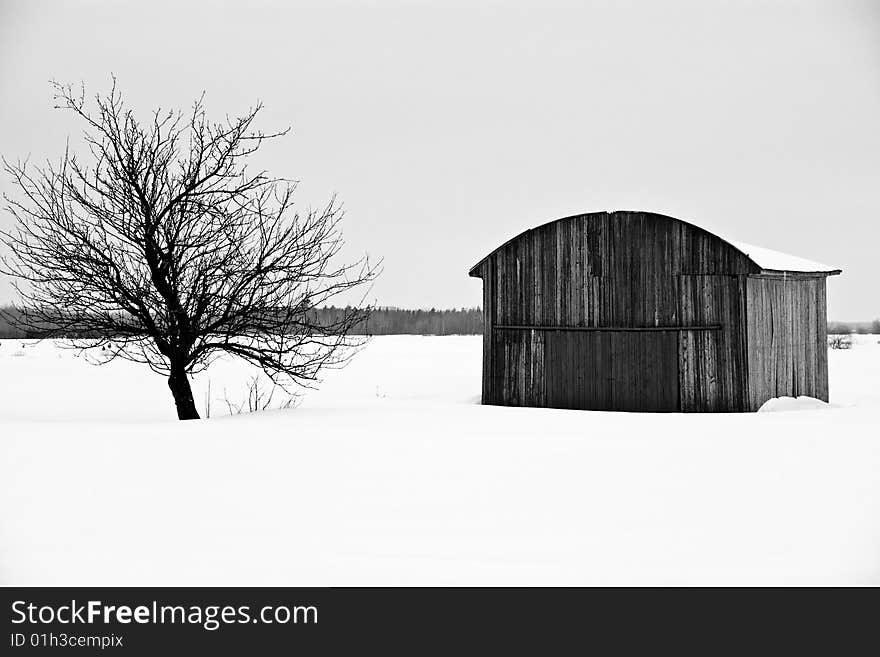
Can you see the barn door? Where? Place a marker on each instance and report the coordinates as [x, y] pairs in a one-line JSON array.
[[612, 370]]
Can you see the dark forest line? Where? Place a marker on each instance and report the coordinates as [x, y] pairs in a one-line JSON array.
[[385, 320], [862, 328], [388, 320]]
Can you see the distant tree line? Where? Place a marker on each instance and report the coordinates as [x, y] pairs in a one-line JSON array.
[[862, 328], [385, 320]]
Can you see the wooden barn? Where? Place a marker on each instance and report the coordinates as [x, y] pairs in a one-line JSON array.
[[636, 311]]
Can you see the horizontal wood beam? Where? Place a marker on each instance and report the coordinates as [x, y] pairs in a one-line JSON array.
[[794, 275], [515, 327]]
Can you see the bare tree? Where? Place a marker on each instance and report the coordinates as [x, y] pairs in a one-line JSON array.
[[840, 341], [167, 250], [258, 399]]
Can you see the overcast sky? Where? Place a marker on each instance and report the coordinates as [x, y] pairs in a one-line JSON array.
[[446, 128]]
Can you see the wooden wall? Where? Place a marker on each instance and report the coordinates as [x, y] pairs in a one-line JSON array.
[[713, 373], [787, 341], [604, 269], [623, 270], [598, 370]]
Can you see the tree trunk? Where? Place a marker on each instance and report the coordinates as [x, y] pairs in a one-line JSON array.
[[178, 381]]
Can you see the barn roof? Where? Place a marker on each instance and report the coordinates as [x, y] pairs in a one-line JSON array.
[[767, 260], [771, 260]]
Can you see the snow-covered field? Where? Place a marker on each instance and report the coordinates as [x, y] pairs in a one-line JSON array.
[[392, 473]]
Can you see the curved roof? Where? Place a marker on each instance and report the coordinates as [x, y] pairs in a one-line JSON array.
[[767, 260]]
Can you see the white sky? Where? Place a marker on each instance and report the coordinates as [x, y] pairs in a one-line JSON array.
[[446, 128]]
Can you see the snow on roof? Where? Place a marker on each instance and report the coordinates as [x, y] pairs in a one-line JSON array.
[[777, 261]]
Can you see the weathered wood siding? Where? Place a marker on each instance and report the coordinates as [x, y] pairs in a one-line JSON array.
[[713, 368], [623, 270], [610, 370], [787, 341]]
